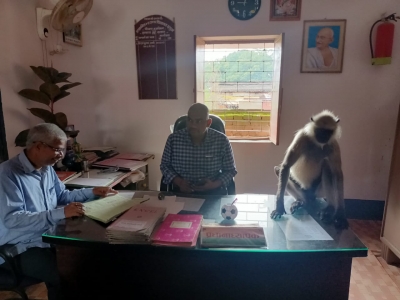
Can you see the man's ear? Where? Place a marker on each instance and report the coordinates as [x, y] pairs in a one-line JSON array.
[[209, 121]]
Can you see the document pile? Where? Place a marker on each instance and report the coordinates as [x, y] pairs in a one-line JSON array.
[[136, 225], [66, 176]]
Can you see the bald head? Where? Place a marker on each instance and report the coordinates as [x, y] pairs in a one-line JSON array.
[[200, 110], [324, 38], [327, 31], [198, 120]]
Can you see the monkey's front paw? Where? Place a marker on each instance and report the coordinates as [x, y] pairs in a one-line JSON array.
[[296, 205], [277, 213], [341, 222], [326, 215]]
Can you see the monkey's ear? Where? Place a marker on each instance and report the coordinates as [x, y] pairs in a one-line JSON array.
[[312, 120], [337, 120]]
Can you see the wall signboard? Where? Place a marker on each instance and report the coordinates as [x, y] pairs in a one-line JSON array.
[[156, 58]]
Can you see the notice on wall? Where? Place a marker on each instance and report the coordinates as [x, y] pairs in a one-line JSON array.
[[156, 58]]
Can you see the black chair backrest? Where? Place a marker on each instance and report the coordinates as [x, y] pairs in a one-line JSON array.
[[11, 279], [217, 123]]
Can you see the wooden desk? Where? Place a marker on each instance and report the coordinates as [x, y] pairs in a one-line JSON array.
[[285, 269]]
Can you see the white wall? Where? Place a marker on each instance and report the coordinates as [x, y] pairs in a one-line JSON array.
[[20, 47], [107, 111]]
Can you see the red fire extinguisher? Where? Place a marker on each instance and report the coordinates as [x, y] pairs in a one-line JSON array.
[[383, 41]]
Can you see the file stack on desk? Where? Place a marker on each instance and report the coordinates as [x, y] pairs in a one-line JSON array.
[[97, 178], [66, 176], [238, 235], [135, 156], [178, 231], [122, 164], [102, 152], [135, 226]]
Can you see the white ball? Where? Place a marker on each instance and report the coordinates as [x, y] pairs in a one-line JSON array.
[[229, 212]]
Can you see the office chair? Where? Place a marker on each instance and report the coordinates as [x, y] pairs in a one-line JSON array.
[[216, 124], [10, 278]]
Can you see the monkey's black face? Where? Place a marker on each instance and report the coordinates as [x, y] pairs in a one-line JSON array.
[[323, 135]]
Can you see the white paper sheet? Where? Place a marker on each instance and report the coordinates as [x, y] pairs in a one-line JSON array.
[[169, 203], [302, 228], [191, 204], [91, 181]]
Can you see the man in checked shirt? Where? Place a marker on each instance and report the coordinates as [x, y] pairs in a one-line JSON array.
[[198, 159]]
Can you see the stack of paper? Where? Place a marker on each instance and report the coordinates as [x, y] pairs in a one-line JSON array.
[[135, 226], [135, 156], [178, 231], [65, 176], [108, 208], [122, 164]]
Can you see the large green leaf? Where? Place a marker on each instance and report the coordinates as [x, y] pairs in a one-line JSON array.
[[20, 140], [62, 77], [45, 115], [42, 73], [61, 120], [35, 95], [52, 72], [61, 95], [69, 86], [50, 89]]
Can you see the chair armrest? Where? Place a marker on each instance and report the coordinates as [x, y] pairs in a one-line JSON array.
[[6, 254]]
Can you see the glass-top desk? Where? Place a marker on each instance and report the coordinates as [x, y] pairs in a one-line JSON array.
[[304, 258]]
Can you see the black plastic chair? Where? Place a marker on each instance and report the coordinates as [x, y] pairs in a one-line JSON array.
[[216, 124], [10, 278]]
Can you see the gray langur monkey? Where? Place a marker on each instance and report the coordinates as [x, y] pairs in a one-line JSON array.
[[312, 168]]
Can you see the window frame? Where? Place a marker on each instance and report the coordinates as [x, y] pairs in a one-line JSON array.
[[277, 90]]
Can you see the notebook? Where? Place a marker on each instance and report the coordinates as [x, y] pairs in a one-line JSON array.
[[178, 230], [107, 209]]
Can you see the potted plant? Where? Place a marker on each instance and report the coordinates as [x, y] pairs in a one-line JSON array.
[[48, 94]]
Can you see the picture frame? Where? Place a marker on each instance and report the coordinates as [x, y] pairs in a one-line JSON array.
[[285, 10], [73, 36], [323, 46]]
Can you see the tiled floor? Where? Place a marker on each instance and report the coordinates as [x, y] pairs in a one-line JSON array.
[[371, 277]]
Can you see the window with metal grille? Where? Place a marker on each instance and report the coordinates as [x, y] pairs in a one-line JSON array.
[[238, 78]]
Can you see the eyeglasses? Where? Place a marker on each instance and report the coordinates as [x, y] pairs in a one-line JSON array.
[[59, 150]]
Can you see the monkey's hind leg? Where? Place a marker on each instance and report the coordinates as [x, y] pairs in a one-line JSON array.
[[294, 189]]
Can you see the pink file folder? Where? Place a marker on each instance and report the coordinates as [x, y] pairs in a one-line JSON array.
[[178, 230]]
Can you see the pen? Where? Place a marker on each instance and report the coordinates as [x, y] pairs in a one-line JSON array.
[[144, 200]]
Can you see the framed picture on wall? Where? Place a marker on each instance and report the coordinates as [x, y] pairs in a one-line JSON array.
[[285, 10], [323, 46], [73, 36]]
